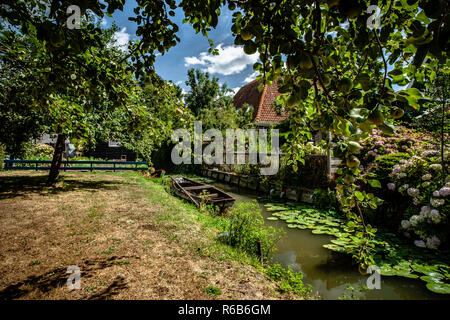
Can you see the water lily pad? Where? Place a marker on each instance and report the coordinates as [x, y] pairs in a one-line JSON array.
[[318, 231], [425, 269], [334, 247], [272, 218], [400, 270], [439, 287], [339, 242], [291, 225], [436, 277]]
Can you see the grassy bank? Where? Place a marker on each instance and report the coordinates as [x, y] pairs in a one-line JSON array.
[[130, 238]]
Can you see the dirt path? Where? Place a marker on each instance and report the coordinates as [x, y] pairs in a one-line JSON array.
[[127, 245]]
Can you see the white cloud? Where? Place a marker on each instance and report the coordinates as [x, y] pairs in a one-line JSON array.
[[104, 22], [231, 60], [122, 38], [251, 77], [178, 82], [235, 90]]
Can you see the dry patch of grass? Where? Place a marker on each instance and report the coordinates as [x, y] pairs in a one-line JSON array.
[[129, 242]]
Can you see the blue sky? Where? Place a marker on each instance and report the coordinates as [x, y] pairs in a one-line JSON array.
[[232, 66]]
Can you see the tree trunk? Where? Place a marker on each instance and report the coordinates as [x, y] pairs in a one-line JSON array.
[[57, 159]]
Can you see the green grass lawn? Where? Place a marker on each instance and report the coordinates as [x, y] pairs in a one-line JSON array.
[[130, 237]]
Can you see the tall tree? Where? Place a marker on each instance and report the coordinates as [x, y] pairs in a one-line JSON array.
[[203, 91], [75, 96]]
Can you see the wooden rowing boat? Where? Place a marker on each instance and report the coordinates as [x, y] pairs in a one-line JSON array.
[[198, 192]]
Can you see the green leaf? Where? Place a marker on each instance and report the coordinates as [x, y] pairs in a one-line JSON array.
[[438, 287], [375, 183], [359, 195]]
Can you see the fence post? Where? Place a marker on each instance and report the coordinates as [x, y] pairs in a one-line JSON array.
[[37, 163], [114, 166], [92, 165]]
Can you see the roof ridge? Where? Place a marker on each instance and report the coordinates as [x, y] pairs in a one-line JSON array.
[[261, 102]]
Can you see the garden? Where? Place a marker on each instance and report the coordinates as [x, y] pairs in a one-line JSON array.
[[360, 101]]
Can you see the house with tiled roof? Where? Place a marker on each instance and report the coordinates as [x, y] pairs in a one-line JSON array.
[[264, 113]]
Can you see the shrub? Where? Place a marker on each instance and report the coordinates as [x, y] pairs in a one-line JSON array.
[[288, 280], [325, 199], [421, 179], [384, 164], [403, 141], [39, 152], [246, 228]]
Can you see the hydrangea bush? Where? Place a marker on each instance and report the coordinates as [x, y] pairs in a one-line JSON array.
[[408, 166], [421, 179], [404, 140]]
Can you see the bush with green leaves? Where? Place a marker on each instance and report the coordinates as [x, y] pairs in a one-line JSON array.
[[384, 164], [288, 280], [39, 151], [246, 229], [325, 199]]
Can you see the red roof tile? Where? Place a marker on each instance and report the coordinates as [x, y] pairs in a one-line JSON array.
[[262, 102]]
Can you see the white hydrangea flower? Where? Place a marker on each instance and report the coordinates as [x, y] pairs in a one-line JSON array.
[[413, 192], [435, 216], [437, 202], [405, 224], [435, 166], [415, 219]]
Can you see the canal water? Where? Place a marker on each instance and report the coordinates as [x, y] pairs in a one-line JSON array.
[[330, 273]]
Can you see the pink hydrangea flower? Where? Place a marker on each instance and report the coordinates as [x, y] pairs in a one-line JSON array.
[[444, 192], [433, 242], [419, 243], [413, 192], [391, 186]]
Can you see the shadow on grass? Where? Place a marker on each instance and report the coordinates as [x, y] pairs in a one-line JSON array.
[[16, 186], [58, 278]]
